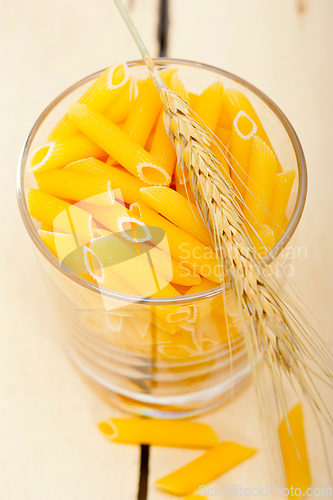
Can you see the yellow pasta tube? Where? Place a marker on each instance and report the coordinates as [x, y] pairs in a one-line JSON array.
[[60, 215], [184, 190], [143, 113], [174, 207], [119, 109], [128, 184], [183, 247], [75, 186], [59, 153], [166, 290], [46, 227], [158, 432], [209, 104], [260, 186], [223, 134], [235, 101], [224, 120], [193, 99], [180, 275], [118, 145], [115, 217], [193, 497], [294, 453], [150, 141], [203, 286], [100, 233], [206, 468], [145, 109], [115, 256], [60, 244], [282, 189], [162, 148], [242, 132], [177, 86], [99, 95], [97, 256]]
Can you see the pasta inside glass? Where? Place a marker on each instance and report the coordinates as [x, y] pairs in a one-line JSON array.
[[158, 339]]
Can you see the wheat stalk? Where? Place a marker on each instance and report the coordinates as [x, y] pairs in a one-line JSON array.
[[272, 327]]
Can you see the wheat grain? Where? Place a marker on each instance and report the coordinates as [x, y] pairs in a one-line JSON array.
[[273, 326]]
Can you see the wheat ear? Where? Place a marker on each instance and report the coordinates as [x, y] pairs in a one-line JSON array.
[[271, 325]]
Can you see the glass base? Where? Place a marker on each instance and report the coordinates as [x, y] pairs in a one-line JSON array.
[[181, 406]]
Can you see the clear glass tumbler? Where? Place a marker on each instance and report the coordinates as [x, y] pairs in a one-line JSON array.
[[163, 357]]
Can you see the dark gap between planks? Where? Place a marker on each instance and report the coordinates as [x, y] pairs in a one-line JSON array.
[[144, 471], [162, 36]]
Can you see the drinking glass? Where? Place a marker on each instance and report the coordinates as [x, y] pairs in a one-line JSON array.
[[165, 357]]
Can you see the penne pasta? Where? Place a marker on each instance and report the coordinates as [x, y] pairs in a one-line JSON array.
[[184, 190], [183, 247], [150, 141], [75, 186], [260, 186], [206, 468], [182, 289], [178, 210], [46, 227], [203, 286], [180, 275], [119, 109], [114, 259], [60, 215], [209, 104], [143, 113], [282, 189], [114, 217], [167, 290], [60, 152], [235, 101], [117, 143], [242, 132], [162, 148], [99, 96], [158, 432], [224, 120], [177, 86], [193, 99], [106, 277], [60, 244], [120, 179], [223, 134], [145, 109], [294, 453]]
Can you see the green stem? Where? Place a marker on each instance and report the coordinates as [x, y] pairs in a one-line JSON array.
[[159, 82]]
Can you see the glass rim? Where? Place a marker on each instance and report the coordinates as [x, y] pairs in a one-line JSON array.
[[183, 299]]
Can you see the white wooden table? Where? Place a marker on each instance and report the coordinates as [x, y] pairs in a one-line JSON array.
[[50, 448]]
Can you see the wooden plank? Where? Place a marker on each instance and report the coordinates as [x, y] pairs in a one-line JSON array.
[[50, 445]]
